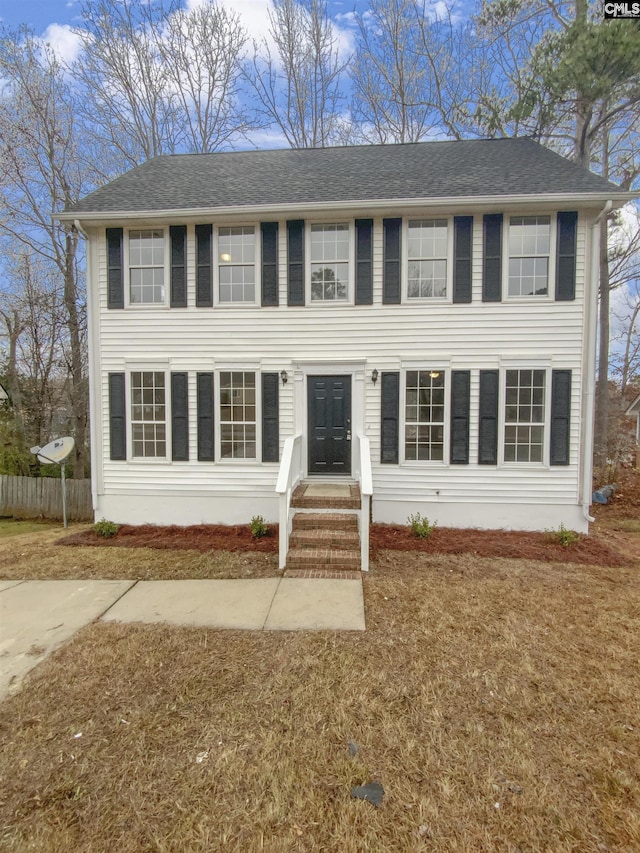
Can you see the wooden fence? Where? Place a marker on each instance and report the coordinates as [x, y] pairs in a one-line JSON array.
[[41, 497]]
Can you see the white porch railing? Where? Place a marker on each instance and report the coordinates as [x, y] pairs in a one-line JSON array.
[[366, 490], [288, 478]]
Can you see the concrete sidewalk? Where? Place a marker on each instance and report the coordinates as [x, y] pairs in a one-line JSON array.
[[38, 616]]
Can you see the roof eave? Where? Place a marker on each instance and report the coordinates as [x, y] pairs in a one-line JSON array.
[[582, 199]]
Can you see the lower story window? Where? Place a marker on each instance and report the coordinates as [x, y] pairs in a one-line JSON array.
[[524, 416], [237, 415], [424, 415], [148, 414]]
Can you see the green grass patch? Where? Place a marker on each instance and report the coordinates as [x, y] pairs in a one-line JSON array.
[[14, 527]]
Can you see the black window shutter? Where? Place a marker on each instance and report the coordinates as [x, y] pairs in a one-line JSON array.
[[295, 260], [390, 406], [460, 388], [392, 229], [180, 417], [269, 263], [488, 432], [364, 261], [117, 417], [560, 416], [204, 285], [115, 270], [462, 251], [178, 235], [566, 256], [270, 421], [204, 392], [492, 262]]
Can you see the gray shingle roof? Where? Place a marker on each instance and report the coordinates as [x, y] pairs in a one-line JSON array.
[[486, 167]]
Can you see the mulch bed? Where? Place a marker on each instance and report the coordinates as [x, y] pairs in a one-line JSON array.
[[444, 540], [197, 537]]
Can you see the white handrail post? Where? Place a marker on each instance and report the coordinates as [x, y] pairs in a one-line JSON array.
[[366, 491], [288, 477]]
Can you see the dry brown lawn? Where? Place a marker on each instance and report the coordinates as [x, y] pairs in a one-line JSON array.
[[497, 701], [40, 556]]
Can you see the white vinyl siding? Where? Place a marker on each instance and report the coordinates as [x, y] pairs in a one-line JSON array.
[[430, 333]]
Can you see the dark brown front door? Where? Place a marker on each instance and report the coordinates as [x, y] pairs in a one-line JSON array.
[[329, 403]]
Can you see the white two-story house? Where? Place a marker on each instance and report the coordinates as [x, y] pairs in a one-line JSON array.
[[418, 320]]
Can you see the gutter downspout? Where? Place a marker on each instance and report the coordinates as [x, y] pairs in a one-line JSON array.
[[93, 420], [592, 326]]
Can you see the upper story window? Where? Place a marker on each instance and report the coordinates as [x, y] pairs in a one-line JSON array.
[[424, 415], [146, 266], [524, 416], [237, 414], [427, 250], [148, 414], [529, 251], [237, 263], [330, 249]]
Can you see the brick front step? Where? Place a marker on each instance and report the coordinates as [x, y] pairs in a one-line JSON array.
[[324, 520], [326, 574], [325, 538], [301, 500], [323, 558]]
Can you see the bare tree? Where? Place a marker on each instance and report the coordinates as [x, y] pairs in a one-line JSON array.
[[409, 73], [297, 81], [202, 51], [41, 172], [128, 100]]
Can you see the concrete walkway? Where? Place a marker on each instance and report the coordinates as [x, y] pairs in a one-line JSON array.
[[38, 616]]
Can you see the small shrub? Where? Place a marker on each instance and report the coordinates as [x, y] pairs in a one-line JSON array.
[[106, 528], [258, 527], [420, 526], [565, 537]]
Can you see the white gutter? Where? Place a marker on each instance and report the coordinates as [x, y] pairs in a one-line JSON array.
[[386, 204], [591, 304]]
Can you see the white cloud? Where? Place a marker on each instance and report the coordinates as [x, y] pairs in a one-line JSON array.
[[63, 41]]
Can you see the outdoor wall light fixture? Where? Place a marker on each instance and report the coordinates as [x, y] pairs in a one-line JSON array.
[[374, 376], [283, 376]]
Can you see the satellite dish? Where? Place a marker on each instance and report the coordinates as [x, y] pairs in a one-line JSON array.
[[56, 451]]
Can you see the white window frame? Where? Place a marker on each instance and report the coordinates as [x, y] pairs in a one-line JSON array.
[[426, 300], [237, 368], [128, 267], [257, 265], [429, 366], [525, 364], [549, 296], [319, 303], [148, 368]]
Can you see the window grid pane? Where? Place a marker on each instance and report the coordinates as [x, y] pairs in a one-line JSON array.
[[329, 262], [524, 416], [146, 267], [148, 414], [427, 249], [236, 266], [529, 249], [237, 415], [424, 415]]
